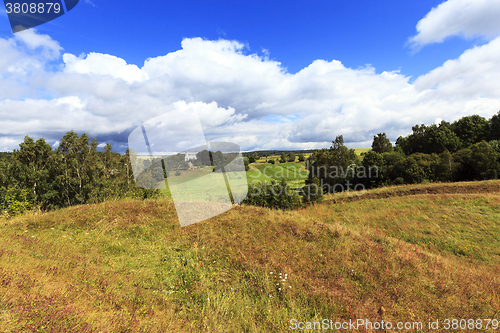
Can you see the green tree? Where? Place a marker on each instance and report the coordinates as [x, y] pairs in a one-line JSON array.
[[333, 166], [273, 195], [462, 167], [374, 169], [414, 173], [443, 169], [478, 162], [381, 144], [34, 167], [14, 200], [246, 162], [494, 127], [395, 164], [471, 130], [80, 167], [485, 159], [313, 191], [252, 158]]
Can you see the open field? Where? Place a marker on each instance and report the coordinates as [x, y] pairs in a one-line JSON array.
[[294, 173], [408, 253], [358, 151]]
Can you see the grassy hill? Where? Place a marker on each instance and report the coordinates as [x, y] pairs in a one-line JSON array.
[[407, 253]]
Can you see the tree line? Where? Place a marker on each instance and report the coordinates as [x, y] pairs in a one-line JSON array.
[[35, 175], [465, 150]]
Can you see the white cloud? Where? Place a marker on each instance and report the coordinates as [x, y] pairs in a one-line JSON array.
[[103, 64], [475, 73], [49, 48], [242, 98], [464, 18]]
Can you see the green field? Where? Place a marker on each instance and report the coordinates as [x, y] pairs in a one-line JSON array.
[[294, 173], [201, 184], [358, 151], [407, 253]]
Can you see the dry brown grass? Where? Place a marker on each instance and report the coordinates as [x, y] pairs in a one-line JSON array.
[[127, 266]]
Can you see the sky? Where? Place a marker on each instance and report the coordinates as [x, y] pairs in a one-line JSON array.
[[263, 75]]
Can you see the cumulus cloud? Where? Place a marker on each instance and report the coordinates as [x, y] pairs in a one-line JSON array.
[[49, 48], [239, 97], [475, 73], [103, 64], [458, 18], [27, 52]]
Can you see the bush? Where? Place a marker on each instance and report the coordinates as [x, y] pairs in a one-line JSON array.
[[274, 195], [312, 192], [14, 200], [177, 173]]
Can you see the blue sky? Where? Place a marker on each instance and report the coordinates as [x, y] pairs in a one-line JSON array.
[[293, 32], [271, 75]]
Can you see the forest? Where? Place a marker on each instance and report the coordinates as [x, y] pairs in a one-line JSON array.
[[465, 150], [36, 176]]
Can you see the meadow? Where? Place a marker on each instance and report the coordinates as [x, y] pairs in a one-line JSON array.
[[294, 172], [409, 253]]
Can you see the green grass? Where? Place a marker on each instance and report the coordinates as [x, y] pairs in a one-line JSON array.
[[418, 253], [191, 187], [294, 173], [358, 151]]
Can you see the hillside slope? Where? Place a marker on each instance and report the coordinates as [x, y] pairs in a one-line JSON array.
[[127, 266]]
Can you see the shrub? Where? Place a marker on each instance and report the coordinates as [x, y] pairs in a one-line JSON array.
[[312, 192], [14, 200], [274, 195]]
